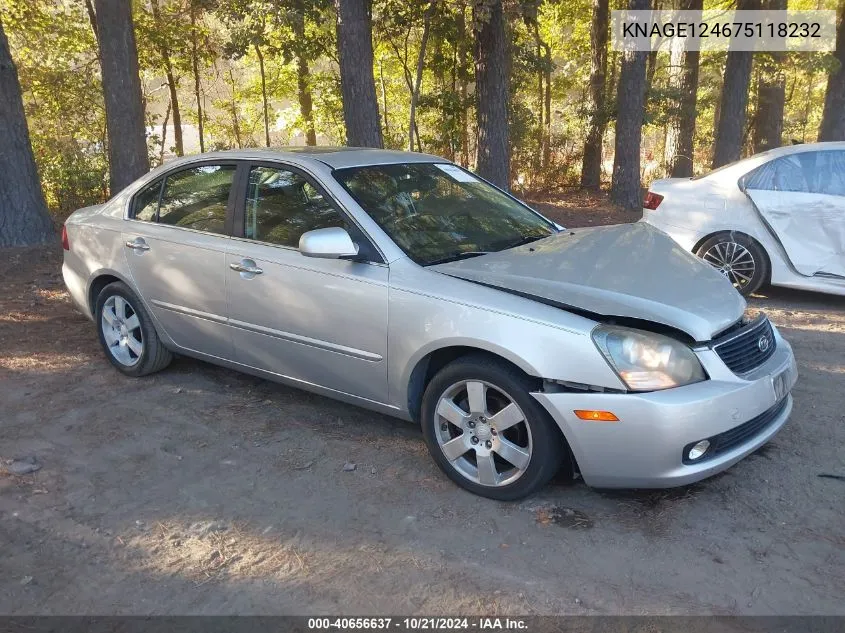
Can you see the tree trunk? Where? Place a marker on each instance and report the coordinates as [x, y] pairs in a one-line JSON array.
[[544, 94], [357, 85], [547, 102], [771, 94], [128, 158], [264, 103], [591, 164], [383, 98], [808, 104], [196, 70], [680, 135], [630, 96], [462, 85], [454, 143], [236, 127], [541, 101], [303, 87], [177, 116], [306, 104], [172, 84], [832, 127], [92, 17], [415, 92], [491, 88], [734, 101], [164, 134], [651, 68], [24, 220], [771, 99]]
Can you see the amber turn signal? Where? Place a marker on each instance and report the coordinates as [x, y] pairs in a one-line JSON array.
[[596, 416]]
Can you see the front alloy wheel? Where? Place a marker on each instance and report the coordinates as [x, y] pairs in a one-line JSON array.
[[483, 433], [486, 431]]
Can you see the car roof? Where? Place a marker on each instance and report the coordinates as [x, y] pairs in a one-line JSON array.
[[745, 165], [803, 147], [334, 157]]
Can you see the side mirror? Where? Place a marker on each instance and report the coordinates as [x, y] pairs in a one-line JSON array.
[[331, 243]]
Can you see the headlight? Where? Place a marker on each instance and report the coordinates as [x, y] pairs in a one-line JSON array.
[[646, 361]]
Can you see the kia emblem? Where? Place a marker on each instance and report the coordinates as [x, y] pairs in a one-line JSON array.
[[763, 344]]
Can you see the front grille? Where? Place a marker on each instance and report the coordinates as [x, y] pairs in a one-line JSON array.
[[738, 435], [747, 348]]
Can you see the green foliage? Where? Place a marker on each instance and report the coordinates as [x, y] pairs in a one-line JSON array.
[[56, 55], [218, 44]]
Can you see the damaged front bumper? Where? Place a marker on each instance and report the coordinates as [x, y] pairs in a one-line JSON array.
[[647, 447]]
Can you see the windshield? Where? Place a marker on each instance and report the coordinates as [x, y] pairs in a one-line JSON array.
[[439, 212]]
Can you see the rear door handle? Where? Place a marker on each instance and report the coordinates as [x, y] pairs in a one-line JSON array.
[[246, 267], [139, 245]]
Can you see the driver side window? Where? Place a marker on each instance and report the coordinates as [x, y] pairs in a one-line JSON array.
[[281, 205]]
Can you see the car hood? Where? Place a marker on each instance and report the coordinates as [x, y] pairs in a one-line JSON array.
[[629, 270]]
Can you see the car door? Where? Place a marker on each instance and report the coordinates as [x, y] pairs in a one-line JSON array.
[[320, 321], [175, 244], [802, 199]]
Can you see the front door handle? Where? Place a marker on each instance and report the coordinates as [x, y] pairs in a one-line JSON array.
[[246, 267], [139, 245]]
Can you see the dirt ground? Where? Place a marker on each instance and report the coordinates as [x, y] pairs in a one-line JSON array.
[[577, 207], [203, 491]]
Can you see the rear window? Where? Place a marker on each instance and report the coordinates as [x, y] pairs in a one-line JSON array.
[[145, 205], [197, 198], [193, 198]]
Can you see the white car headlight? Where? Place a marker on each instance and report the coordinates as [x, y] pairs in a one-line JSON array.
[[647, 361]]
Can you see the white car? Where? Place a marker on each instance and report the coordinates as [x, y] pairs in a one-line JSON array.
[[777, 217]]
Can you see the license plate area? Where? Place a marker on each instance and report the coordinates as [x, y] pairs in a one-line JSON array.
[[782, 382]]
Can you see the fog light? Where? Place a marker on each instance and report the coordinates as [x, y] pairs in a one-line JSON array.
[[698, 450]]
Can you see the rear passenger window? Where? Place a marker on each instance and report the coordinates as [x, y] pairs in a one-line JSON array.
[[197, 198], [805, 172], [795, 172], [146, 203], [831, 167]]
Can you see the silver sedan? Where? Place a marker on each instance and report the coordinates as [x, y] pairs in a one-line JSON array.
[[404, 283]]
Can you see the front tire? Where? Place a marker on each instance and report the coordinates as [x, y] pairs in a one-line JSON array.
[[486, 432], [737, 257], [127, 333]]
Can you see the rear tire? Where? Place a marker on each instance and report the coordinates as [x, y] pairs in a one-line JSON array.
[[486, 432], [127, 333], [739, 258]]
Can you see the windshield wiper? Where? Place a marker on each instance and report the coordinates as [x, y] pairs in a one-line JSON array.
[[525, 240], [455, 257]]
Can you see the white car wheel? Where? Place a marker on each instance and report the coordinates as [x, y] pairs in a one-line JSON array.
[[737, 257]]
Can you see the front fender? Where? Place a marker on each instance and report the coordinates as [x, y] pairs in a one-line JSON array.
[[430, 311]]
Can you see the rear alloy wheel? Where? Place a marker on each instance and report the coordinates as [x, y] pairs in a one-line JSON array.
[[127, 333], [738, 258], [121, 329], [487, 433]]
